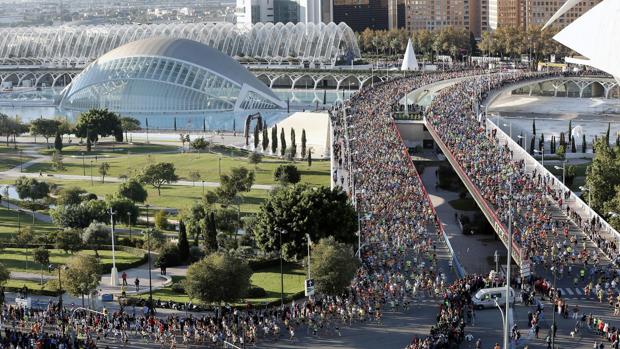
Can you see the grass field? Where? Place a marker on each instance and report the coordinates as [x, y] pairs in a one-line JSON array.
[[113, 149], [15, 258], [9, 223], [31, 284], [10, 158], [268, 279], [207, 164]]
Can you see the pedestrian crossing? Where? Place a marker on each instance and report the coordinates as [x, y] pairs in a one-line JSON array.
[[580, 293]]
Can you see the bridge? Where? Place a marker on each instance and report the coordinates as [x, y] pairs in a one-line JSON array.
[[558, 203], [42, 76]]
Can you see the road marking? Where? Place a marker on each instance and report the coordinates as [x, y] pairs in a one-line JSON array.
[[578, 291], [569, 291]]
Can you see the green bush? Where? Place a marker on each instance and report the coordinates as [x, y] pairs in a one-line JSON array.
[[256, 292], [178, 287]]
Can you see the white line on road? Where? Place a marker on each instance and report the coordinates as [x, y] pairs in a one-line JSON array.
[[578, 291], [569, 291]]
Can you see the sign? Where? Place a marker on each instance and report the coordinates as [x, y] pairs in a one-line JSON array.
[[525, 269], [23, 302], [309, 287]]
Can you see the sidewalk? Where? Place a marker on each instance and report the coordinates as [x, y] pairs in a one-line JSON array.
[[471, 250]]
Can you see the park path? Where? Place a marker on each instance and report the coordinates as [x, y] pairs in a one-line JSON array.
[[37, 215], [469, 249]]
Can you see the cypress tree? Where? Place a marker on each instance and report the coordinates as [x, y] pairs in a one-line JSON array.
[[607, 133], [274, 139], [541, 144], [534, 126], [183, 244], [282, 143], [570, 128], [532, 144], [618, 139], [309, 157], [562, 140], [211, 232], [175, 123], [572, 144], [583, 143], [293, 143], [303, 143], [58, 142], [265, 139], [256, 137]]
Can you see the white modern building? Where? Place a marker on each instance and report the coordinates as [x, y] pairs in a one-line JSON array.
[[595, 35], [165, 75]]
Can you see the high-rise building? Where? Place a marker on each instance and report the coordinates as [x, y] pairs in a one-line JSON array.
[[434, 14], [373, 14], [532, 12], [274, 11]]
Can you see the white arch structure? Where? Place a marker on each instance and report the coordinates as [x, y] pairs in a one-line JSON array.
[[80, 45]]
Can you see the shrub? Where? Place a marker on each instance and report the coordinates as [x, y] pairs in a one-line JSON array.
[[161, 219], [256, 292], [196, 253], [178, 287]]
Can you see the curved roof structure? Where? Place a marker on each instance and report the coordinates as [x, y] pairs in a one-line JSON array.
[[595, 35], [81, 45], [164, 75]]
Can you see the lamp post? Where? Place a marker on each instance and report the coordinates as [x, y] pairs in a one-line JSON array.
[[281, 270], [309, 243], [542, 154], [510, 127], [21, 163], [148, 243], [508, 260], [563, 168], [58, 267], [147, 214], [114, 271], [203, 187]]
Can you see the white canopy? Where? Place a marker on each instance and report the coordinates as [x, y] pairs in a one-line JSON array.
[[409, 61]]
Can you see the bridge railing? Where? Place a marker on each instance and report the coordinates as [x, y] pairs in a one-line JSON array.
[[455, 260], [489, 212], [574, 201]]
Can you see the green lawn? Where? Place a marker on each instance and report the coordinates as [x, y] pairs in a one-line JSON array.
[[207, 164], [9, 223], [110, 149], [15, 258], [31, 284], [10, 158], [268, 279]]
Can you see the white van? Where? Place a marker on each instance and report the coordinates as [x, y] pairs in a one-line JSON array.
[[485, 298]]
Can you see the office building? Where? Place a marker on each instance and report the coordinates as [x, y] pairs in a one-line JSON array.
[[373, 14]]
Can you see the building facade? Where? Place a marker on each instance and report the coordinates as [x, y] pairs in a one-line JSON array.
[[373, 14], [281, 11], [525, 13], [435, 14]]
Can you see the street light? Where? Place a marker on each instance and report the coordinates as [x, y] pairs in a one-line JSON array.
[[510, 127], [281, 270], [114, 271], [52, 267], [563, 168], [542, 153], [148, 243], [584, 188]]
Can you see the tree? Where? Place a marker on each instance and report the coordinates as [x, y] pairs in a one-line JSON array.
[[161, 219], [104, 169], [133, 190], [199, 144], [256, 136], [265, 139], [126, 210], [293, 148], [68, 240], [159, 174], [42, 257], [303, 143], [607, 133], [169, 256], [97, 123], [194, 176], [602, 176], [183, 243], [218, 278], [95, 235], [45, 127], [70, 196], [182, 138], [156, 239], [211, 230], [583, 143], [24, 237], [333, 266], [301, 209], [287, 174], [5, 275], [129, 124], [282, 143], [239, 180], [572, 144], [57, 161], [82, 275], [310, 157], [80, 216], [255, 158], [30, 188], [58, 142], [534, 126], [274, 139], [561, 152]]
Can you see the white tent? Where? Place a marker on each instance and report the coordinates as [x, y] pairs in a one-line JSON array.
[[409, 61]]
